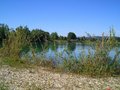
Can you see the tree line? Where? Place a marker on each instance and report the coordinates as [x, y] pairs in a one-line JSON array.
[[24, 35]]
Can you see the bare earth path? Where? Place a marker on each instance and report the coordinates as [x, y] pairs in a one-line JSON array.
[[41, 79]]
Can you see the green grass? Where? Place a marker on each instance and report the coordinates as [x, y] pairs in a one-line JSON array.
[[3, 87], [15, 63]]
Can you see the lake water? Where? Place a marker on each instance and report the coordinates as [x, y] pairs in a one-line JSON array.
[[58, 51]]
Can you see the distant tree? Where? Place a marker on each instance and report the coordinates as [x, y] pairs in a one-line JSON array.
[[118, 39], [62, 37], [38, 35], [83, 38], [54, 36], [46, 35], [71, 35], [4, 30]]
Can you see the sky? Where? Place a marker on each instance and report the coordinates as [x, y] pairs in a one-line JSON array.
[[63, 16]]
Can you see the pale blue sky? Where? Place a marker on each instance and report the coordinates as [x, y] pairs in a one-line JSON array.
[[63, 16]]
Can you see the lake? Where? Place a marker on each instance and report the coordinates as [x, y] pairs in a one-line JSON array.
[[57, 51]]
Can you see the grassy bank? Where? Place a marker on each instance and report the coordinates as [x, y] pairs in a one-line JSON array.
[[97, 64]]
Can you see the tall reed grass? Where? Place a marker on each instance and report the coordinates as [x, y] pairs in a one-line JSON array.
[[97, 64]]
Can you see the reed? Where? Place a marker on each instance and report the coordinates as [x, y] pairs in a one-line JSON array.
[[97, 64]]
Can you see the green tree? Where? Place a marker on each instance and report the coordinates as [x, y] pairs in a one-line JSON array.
[[16, 41], [46, 36], [38, 35], [62, 37], [71, 36], [4, 30], [54, 36]]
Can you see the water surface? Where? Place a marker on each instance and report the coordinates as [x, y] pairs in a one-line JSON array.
[[58, 51]]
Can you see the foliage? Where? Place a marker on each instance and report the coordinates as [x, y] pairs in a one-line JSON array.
[[97, 64], [13, 45], [54, 36], [15, 63], [38, 35], [71, 36], [4, 30], [22, 35]]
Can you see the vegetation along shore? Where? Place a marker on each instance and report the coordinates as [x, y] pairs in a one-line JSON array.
[[27, 60]]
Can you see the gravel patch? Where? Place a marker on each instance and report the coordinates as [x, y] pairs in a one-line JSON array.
[[41, 79]]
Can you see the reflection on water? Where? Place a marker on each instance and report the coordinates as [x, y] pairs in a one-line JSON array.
[[57, 51], [71, 47]]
